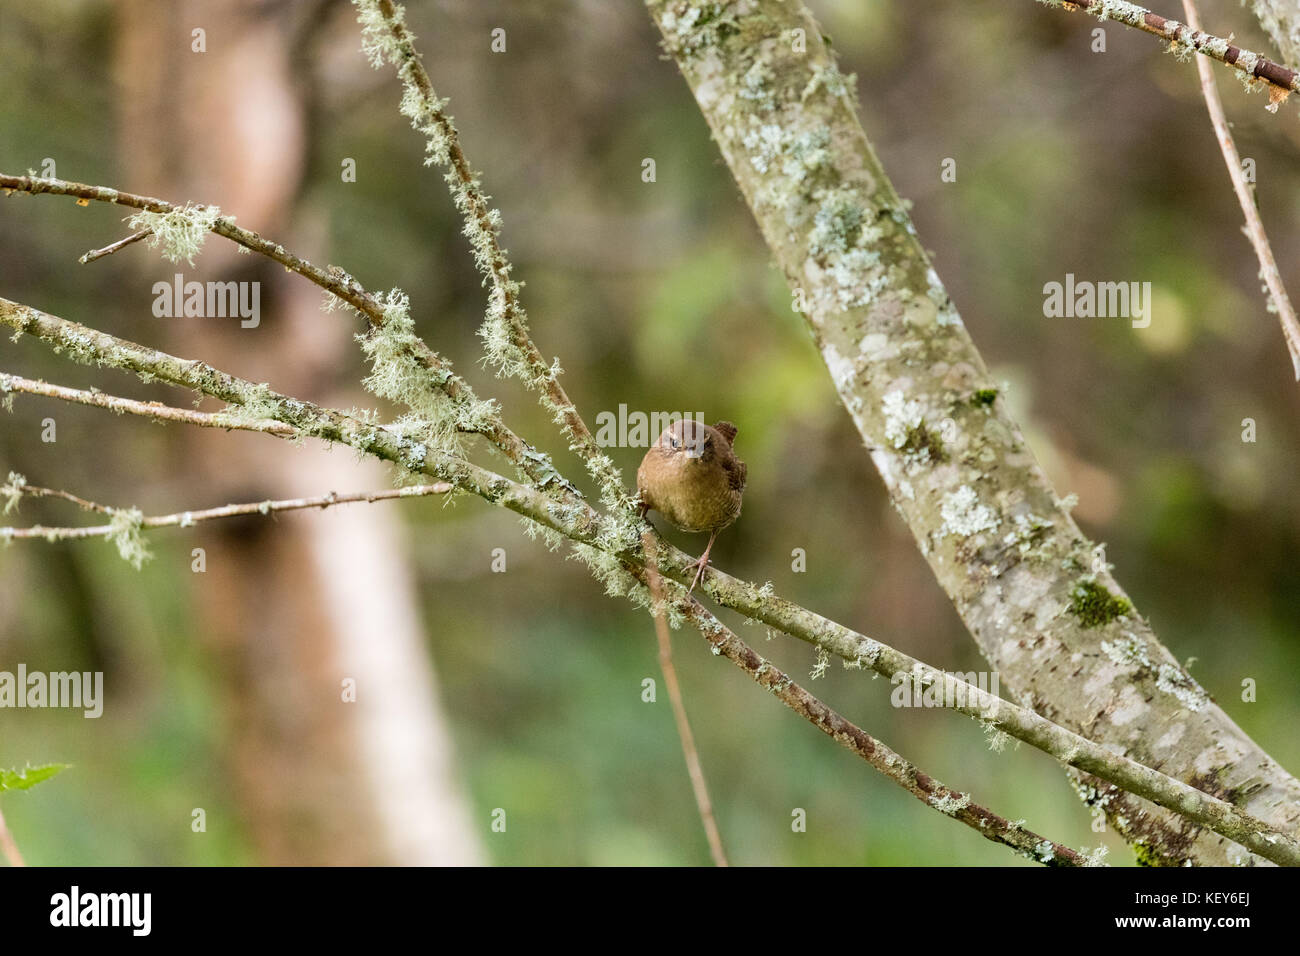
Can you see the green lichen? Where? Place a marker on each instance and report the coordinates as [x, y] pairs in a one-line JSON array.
[[984, 397], [1095, 606]]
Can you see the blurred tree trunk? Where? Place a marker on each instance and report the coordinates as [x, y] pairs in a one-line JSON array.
[[295, 608]]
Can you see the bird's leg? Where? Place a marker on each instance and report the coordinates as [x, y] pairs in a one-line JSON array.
[[702, 563]]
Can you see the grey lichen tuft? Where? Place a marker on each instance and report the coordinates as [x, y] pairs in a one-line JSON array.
[[181, 231], [125, 525], [12, 491], [396, 374]]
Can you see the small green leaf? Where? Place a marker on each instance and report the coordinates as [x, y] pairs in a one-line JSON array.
[[29, 777]]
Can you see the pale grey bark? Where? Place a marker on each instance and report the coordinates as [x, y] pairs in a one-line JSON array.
[[1045, 611]]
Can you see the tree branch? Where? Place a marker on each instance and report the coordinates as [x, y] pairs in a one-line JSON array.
[[919, 784], [1252, 66], [1246, 199], [185, 519], [1031, 588], [571, 517], [154, 410]]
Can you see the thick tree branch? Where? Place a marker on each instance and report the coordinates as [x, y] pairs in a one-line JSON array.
[[1031, 588], [571, 517]]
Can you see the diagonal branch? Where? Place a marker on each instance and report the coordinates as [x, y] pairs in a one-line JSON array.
[[919, 784], [1246, 199], [1044, 608], [1252, 66], [339, 284], [568, 515]]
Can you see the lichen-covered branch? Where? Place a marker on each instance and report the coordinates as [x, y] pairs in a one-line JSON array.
[[1255, 70], [185, 519], [10, 384], [566, 515], [181, 230], [919, 784], [1034, 592], [508, 345], [1281, 20]]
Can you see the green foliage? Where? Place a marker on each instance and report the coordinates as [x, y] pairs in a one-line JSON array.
[[29, 777]]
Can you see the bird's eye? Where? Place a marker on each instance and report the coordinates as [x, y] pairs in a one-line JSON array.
[[672, 440]]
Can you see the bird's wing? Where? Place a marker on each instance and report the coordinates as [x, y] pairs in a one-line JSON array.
[[727, 430], [736, 474]]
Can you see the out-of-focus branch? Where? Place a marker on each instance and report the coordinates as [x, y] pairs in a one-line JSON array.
[[154, 410], [571, 517], [1246, 199], [1186, 36], [684, 733], [7, 845], [184, 519]]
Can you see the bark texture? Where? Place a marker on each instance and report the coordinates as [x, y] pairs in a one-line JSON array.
[[1033, 590]]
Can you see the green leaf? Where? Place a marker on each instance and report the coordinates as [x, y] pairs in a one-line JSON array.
[[29, 777]]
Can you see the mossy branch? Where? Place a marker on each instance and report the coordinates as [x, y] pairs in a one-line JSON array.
[[998, 538], [569, 516]]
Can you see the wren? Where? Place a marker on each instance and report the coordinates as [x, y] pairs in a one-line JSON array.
[[693, 478]]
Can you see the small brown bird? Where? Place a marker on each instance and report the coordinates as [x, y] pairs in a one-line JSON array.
[[691, 476]]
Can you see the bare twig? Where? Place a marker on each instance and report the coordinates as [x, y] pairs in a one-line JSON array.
[[153, 410], [1245, 198], [108, 250], [692, 755], [7, 845], [1188, 36], [184, 519]]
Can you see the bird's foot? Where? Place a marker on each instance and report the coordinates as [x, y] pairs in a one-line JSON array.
[[699, 564]]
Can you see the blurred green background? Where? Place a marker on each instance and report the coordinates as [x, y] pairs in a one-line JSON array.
[[659, 295]]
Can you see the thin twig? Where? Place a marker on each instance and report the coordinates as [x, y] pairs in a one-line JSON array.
[[692, 755], [7, 845], [335, 281], [482, 227], [1186, 35], [1245, 198], [574, 518], [912, 779], [153, 410], [184, 519], [94, 254]]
